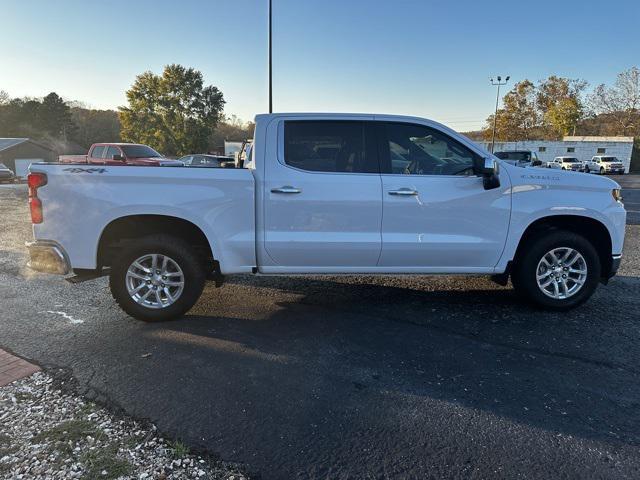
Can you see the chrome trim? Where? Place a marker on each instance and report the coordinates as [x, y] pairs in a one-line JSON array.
[[286, 189], [403, 192], [47, 256]]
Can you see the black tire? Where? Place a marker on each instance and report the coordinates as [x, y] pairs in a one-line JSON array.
[[524, 272], [601, 171], [181, 253], [586, 170]]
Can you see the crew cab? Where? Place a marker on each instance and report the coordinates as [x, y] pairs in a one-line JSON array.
[[566, 163], [328, 194], [604, 164], [119, 154]]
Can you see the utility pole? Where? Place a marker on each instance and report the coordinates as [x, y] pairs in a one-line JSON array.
[[497, 83], [270, 64]]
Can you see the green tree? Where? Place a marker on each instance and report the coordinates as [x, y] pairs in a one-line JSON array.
[[173, 112], [95, 126], [560, 105], [518, 117], [54, 117]]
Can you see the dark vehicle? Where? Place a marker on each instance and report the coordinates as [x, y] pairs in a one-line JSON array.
[[520, 158], [206, 160], [121, 154], [6, 174]]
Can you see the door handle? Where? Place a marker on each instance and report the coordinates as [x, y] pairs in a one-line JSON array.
[[286, 189], [405, 192]]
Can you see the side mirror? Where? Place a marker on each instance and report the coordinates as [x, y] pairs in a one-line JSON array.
[[117, 157], [489, 169]]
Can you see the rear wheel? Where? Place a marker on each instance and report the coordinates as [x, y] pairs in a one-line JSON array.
[[157, 278], [558, 270]]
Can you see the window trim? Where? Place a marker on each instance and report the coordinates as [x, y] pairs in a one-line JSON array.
[[281, 146], [383, 139]]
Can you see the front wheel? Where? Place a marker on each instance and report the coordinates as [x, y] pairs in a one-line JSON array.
[[558, 270], [157, 278], [601, 171], [586, 169]]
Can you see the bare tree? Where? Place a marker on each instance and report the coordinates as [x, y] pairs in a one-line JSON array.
[[621, 102]]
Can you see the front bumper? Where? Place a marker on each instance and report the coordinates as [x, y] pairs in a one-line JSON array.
[[48, 257], [615, 265]]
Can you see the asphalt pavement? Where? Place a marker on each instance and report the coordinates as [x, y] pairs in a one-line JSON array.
[[354, 377]]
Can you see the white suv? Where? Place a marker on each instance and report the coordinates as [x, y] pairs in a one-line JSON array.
[[604, 164]]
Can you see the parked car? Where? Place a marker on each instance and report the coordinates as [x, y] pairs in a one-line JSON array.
[[206, 160], [567, 163], [520, 158], [312, 202], [121, 154], [6, 174], [604, 164]]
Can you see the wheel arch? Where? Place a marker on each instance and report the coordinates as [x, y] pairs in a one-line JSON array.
[[126, 228], [593, 230]]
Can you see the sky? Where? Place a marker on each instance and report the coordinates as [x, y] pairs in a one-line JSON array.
[[426, 58]]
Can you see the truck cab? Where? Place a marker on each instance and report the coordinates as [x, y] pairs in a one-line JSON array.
[[127, 154]]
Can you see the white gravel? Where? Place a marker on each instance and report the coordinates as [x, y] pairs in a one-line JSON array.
[[46, 433]]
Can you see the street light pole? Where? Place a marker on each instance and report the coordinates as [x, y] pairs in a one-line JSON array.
[[270, 65], [497, 83]]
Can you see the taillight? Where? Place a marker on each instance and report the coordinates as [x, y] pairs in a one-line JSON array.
[[35, 181]]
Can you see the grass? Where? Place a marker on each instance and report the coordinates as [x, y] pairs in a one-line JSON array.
[[25, 396], [69, 431], [179, 449], [105, 460], [7, 446]]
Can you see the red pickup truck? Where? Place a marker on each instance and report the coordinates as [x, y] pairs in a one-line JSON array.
[[121, 154]]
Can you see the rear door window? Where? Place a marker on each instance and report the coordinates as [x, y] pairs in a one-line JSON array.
[[328, 146], [111, 151], [97, 151]]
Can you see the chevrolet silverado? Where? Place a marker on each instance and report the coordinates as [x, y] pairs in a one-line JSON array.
[[328, 194]]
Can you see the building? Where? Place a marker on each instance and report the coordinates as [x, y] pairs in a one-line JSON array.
[[583, 148], [19, 153]]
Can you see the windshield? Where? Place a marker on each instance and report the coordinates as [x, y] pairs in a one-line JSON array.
[[139, 151], [570, 160], [609, 159], [519, 156]]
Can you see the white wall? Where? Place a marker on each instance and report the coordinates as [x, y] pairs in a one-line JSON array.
[[584, 150]]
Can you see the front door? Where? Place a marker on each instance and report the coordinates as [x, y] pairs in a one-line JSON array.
[[323, 197], [436, 213]]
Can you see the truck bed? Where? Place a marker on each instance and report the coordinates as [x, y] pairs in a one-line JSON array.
[[79, 201]]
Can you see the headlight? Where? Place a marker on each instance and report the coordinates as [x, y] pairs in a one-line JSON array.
[[617, 194]]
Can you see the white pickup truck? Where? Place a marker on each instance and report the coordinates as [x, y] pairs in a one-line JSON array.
[[328, 194], [604, 164]]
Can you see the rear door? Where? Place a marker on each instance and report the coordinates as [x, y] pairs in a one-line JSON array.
[[323, 197], [437, 214]]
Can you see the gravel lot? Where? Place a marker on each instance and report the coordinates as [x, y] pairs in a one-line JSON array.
[[355, 376], [46, 434]]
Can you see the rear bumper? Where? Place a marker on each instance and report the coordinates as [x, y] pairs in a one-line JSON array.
[[48, 257]]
